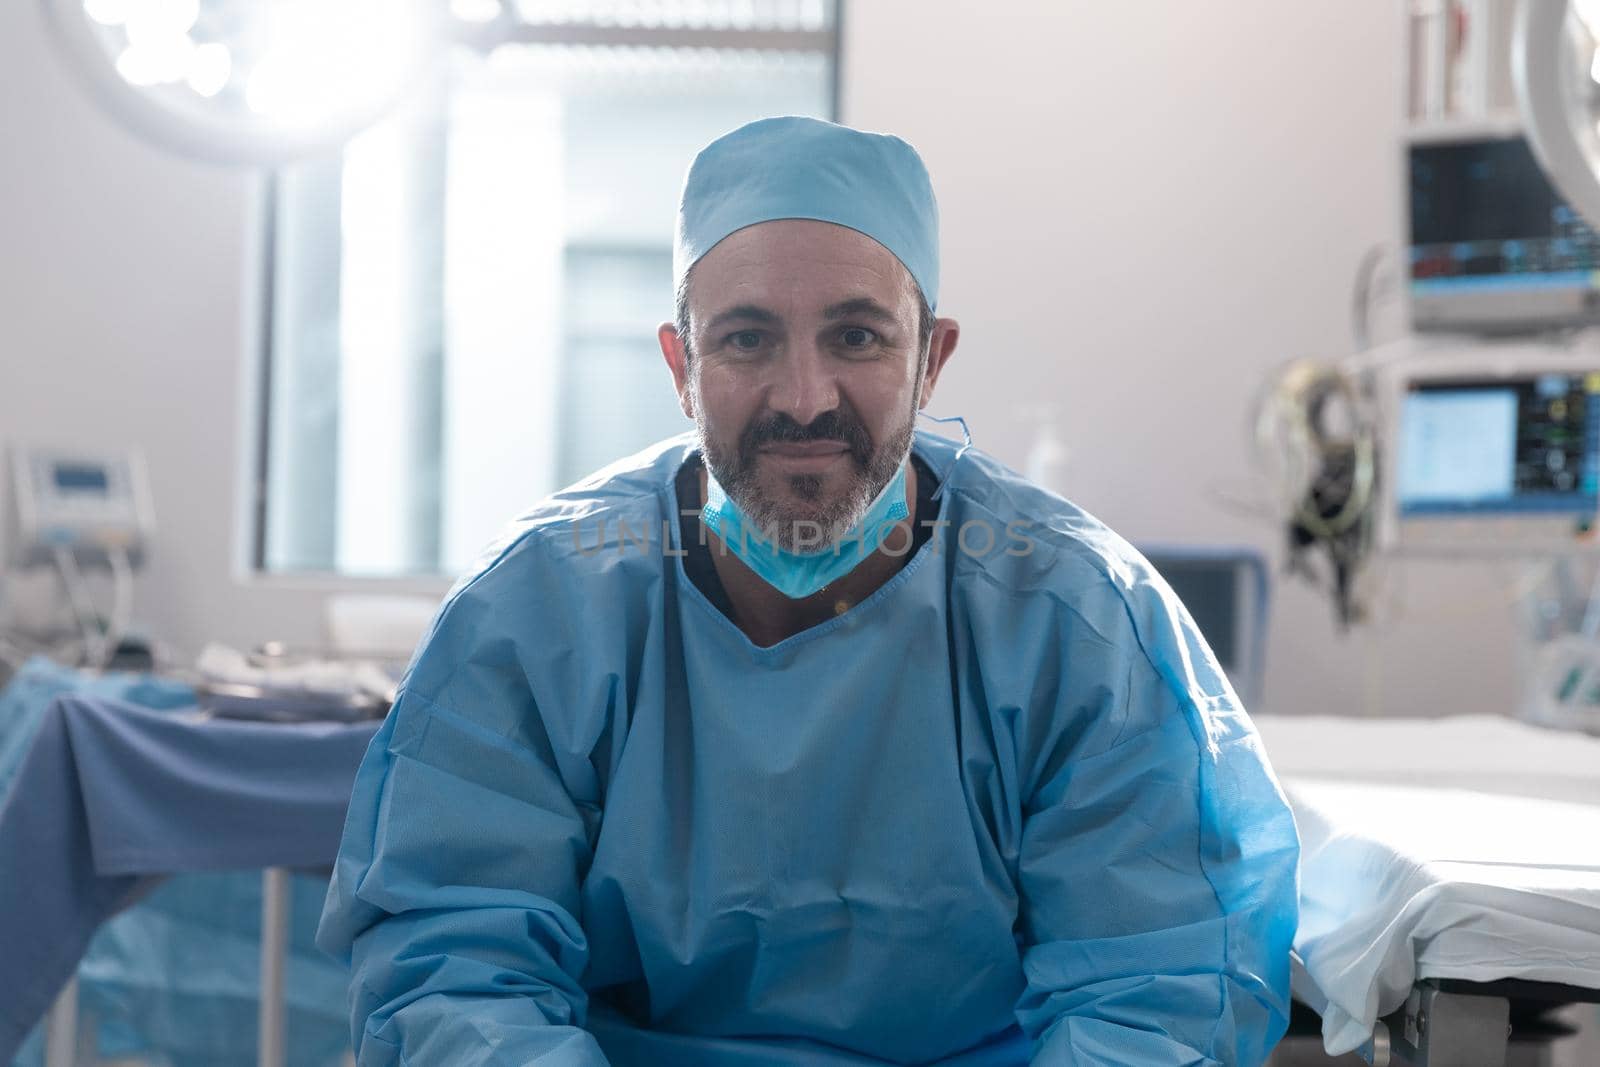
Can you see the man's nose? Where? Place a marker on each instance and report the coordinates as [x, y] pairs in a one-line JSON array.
[[806, 386]]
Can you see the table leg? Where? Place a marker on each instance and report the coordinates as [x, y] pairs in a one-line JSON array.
[[1439, 1029], [274, 952], [61, 1033]]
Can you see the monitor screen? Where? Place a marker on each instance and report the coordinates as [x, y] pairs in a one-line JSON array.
[[1486, 225], [1478, 446], [1210, 590], [81, 478]]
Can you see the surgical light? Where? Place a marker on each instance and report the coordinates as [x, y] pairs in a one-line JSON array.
[[476, 10], [107, 12], [211, 69], [152, 20], [1588, 13], [250, 81], [1556, 76]]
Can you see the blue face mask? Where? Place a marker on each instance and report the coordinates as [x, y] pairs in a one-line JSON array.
[[794, 574]]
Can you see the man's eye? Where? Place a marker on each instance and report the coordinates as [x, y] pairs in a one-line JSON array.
[[857, 337], [745, 340]]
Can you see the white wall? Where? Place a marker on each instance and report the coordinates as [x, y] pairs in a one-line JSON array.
[[1146, 207]]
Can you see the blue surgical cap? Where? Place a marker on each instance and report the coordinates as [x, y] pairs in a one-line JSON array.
[[803, 168]]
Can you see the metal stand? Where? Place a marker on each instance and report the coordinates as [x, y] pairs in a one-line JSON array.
[[1432, 1029], [274, 951], [1439, 1029], [61, 1032]]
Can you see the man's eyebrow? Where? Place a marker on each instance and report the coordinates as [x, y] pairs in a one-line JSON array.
[[861, 305], [744, 313]]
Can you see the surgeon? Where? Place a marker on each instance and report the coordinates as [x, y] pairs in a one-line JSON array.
[[807, 737]]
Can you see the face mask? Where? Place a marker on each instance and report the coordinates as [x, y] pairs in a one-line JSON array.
[[793, 574]]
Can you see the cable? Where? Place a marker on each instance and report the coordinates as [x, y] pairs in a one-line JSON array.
[[1295, 407], [16, 645], [12, 654], [1361, 295], [121, 603], [82, 606], [1324, 471]]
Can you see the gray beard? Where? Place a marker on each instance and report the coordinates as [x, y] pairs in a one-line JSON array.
[[820, 527]]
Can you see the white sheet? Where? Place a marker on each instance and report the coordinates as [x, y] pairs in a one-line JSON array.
[[1448, 848]]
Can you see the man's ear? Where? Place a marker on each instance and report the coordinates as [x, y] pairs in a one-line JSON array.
[[941, 346], [676, 354]]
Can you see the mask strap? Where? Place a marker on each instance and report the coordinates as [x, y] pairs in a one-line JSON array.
[[966, 436]]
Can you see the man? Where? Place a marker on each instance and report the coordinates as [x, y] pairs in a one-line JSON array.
[[807, 738]]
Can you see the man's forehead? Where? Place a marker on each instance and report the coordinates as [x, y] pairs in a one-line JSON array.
[[793, 266], [859, 308]]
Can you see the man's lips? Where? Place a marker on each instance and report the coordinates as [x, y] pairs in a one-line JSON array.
[[806, 448], [806, 457]]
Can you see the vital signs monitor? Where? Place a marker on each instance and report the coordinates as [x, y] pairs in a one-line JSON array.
[[1503, 460]]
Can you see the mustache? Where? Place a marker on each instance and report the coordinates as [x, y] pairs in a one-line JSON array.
[[834, 425]]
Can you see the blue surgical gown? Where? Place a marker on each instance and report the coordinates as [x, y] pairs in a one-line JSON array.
[[1004, 810]]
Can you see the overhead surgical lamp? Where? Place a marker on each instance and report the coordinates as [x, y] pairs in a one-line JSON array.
[[254, 82], [1555, 71]]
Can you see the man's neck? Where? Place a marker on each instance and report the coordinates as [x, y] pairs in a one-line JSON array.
[[767, 616]]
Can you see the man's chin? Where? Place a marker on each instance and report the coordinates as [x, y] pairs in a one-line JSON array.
[[807, 521], [795, 521], [805, 491]]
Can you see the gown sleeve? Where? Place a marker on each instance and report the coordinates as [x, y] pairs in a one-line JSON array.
[[455, 896], [1158, 859]]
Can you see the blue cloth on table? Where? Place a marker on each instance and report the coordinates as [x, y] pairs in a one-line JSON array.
[[102, 797], [24, 699], [1006, 807]]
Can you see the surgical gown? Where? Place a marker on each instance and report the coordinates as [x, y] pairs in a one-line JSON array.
[[1005, 810]]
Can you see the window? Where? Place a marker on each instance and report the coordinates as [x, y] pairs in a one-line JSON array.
[[462, 303]]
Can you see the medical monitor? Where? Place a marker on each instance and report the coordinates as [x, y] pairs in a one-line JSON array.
[[1493, 247], [1225, 590], [83, 502], [1516, 450]]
